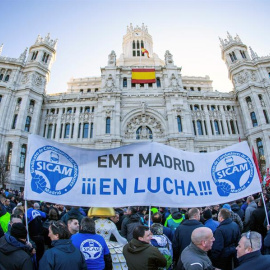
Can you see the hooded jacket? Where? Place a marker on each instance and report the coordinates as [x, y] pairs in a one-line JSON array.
[[13, 254], [129, 224], [142, 256], [62, 256], [4, 218]]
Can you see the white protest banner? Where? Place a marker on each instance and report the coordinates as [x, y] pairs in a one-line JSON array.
[[137, 174]]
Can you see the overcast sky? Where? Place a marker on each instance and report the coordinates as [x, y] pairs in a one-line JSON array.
[[87, 31]]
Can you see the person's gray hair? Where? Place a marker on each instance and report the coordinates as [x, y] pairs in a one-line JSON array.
[[253, 239], [88, 225]]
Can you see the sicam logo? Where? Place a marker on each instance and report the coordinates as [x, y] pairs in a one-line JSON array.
[[232, 172], [52, 171]]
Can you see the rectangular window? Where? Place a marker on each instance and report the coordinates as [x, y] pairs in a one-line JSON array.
[[194, 127], [91, 130], [54, 133], [14, 121], [266, 116], [205, 127]]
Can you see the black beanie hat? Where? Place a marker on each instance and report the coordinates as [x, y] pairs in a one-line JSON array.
[[18, 231], [207, 214]]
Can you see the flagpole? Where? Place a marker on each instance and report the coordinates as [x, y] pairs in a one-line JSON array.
[[149, 217], [26, 220], [265, 209]]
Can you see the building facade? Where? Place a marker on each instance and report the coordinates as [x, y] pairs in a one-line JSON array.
[[111, 111]]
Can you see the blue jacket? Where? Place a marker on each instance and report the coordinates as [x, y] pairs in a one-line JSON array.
[[62, 256], [226, 236], [211, 224], [254, 260]]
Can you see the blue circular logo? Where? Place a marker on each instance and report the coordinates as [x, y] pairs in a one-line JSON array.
[[91, 249], [52, 171], [232, 172]]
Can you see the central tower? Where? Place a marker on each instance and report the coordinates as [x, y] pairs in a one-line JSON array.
[[136, 39]]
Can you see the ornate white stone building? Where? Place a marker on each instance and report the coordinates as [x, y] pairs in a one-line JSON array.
[[110, 111]]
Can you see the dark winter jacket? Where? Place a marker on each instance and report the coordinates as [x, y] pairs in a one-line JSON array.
[[129, 224], [267, 243], [13, 254], [72, 213], [236, 209], [257, 220], [182, 236], [62, 256], [143, 256], [254, 260], [226, 236]]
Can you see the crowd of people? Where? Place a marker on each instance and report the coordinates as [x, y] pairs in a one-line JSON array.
[[234, 235]]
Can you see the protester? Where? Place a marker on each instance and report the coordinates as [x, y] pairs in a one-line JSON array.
[[72, 212], [35, 219], [63, 255], [267, 241], [140, 254], [227, 235], [163, 243], [4, 217], [14, 252], [92, 246], [129, 223], [13, 219], [174, 219], [251, 206], [235, 217], [182, 235], [257, 218], [209, 222], [73, 225], [157, 218], [249, 254], [236, 209], [195, 256]]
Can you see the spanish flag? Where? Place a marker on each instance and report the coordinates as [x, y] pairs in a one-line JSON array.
[[142, 75], [145, 51]]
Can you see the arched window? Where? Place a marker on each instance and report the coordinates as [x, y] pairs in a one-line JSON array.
[[27, 124], [234, 56], [1, 98], [179, 123], [158, 82], [22, 159], [9, 155], [49, 132], [133, 45], [44, 57], [19, 101], [69, 110], [93, 109], [212, 107], [67, 131], [34, 56], [248, 99], [32, 103], [87, 109], [15, 117], [91, 130], [196, 107], [1, 76], [199, 127], [253, 119], [125, 82], [85, 130], [144, 133], [142, 44], [138, 44], [108, 125], [47, 57], [232, 127], [217, 131], [260, 147], [7, 78]]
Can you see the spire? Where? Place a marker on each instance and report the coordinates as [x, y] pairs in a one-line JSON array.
[[47, 40], [1, 48], [253, 54], [23, 55], [230, 40]]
